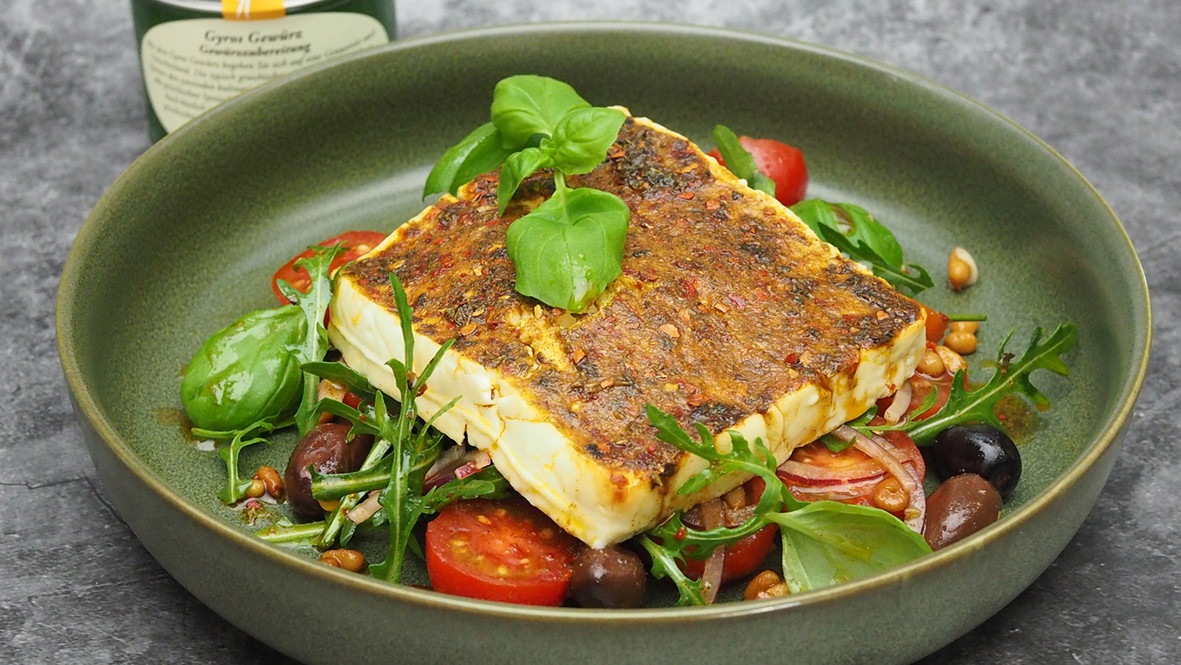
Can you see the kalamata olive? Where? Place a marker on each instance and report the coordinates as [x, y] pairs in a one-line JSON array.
[[327, 450], [960, 507], [980, 449], [610, 577]]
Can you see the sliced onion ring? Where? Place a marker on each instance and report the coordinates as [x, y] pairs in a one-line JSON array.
[[884, 453], [900, 405], [713, 516], [815, 474]]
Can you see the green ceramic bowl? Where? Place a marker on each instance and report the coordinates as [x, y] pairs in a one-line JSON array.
[[187, 239]]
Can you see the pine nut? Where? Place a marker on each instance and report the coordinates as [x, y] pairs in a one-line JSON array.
[[350, 560], [931, 364], [256, 489], [961, 269], [760, 584], [271, 480], [963, 343]]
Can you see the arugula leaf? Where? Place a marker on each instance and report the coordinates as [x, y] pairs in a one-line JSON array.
[[286, 532], [479, 152], [823, 543], [740, 162], [1011, 376], [235, 487], [570, 248], [411, 455], [314, 304], [664, 564], [826, 543], [343, 375], [526, 105], [856, 233], [486, 483]]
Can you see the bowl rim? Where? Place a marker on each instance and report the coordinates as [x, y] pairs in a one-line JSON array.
[[86, 404]]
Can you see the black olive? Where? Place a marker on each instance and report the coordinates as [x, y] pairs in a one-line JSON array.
[[610, 577], [981, 449]]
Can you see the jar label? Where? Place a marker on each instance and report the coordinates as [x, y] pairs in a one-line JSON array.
[[192, 65], [251, 10]]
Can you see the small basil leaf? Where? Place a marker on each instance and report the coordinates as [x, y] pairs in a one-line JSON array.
[[517, 167], [526, 105], [583, 137], [246, 372], [857, 234], [740, 162], [570, 248], [826, 543], [479, 152]]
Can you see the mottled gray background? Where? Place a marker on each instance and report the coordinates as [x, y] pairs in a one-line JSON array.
[[1098, 80]]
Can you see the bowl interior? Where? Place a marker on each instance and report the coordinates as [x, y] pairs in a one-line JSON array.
[[186, 241]]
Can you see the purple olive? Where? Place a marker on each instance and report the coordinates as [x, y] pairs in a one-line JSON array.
[[958, 508], [610, 577], [326, 449]]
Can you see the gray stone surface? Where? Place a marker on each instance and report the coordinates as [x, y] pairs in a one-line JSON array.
[[1099, 81]]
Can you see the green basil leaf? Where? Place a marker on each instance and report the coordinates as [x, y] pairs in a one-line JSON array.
[[740, 162], [246, 372], [526, 105], [826, 543], [857, 234], [570, 248], [583, 136], [479, 152], [517, 167]]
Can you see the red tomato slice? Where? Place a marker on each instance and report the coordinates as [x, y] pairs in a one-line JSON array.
[[742, 558], [780, 162], [356, 244], [849, 476], [937, 323], [504, 550]]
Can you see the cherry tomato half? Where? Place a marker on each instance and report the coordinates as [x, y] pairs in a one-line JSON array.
[[745, 556], [504, 550], [742, 558], [356, 244], [780, 162]]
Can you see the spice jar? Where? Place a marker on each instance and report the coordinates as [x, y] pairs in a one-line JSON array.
[[195, 54]]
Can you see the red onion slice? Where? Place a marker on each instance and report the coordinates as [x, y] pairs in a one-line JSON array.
[[366, 509], [444, 467], [478, 461], [892, 460], [813, 474], [900, 405]]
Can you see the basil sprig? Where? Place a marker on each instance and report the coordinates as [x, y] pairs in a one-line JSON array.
[[570, 248], [824, 542], [247, 378], [857, 234]]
